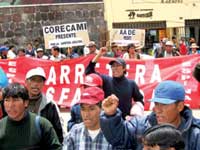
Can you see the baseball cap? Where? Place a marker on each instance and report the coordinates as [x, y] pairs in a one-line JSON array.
[[36, 72], [4, 48], [194, 45], [119, 61], [196, 72], [168, 92], [91, 43], [93, 79], [3, 79], [169, 43], [91, 95], [39, 50]]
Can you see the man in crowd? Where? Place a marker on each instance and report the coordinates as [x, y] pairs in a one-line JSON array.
[[88, 135], [169, 51], [40, 54], [169, 108], [3, 84], [126, 90], [163, 137], [39, 103], [22, 129], [92, 48], [56, 55], [3, 52], [91, 80]]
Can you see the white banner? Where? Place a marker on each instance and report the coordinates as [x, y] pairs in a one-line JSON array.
[[66, 35], [123, 37]]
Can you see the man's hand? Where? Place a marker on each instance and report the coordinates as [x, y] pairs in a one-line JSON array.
[[110, 105]]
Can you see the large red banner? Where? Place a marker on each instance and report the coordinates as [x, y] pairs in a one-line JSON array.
[[64, 78]]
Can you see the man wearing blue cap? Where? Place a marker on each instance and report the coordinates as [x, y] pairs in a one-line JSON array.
[[169, 108], [3, 52], [3, 83]]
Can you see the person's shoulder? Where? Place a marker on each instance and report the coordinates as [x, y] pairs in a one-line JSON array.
[[196, 123], [131, 81], [3, 120], [77, 127], [76, 130], [45, 122]]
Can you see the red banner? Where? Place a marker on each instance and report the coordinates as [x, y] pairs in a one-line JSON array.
[[64, 78]]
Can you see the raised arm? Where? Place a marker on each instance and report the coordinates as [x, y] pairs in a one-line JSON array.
[[91, 66], [119, 133]]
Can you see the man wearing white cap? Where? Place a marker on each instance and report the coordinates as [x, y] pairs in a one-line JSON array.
[[169, 51], [169, 108], [92, 48], [40, 54], [194, 49], [39, 104]]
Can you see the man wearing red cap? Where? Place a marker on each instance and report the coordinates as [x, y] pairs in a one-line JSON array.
[[88, 135], [91, 80]]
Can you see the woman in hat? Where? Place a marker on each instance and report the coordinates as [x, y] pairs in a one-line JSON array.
[[194, 49]]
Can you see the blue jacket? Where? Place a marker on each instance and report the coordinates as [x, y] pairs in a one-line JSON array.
[[127, 134], [75, 113]]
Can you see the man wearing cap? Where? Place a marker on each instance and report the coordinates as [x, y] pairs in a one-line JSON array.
[[125, 89], [163, 137], [194, 49], [169, 51], [92, 48], [169, 108], [3, 84], [91, 80], [88, 135], [40, 54], [39, 103], [3, 52]]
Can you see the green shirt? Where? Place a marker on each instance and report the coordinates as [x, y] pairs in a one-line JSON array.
[[24, 135]]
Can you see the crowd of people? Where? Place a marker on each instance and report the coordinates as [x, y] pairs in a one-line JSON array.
[[166, 48], [109, 114]]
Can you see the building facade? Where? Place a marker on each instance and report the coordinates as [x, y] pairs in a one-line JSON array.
[[160, 18], [21, 24]]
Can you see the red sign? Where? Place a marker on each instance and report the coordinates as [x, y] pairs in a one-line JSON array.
[[64, 78]]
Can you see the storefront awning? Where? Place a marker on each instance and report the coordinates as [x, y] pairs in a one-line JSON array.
[[192, 22], [141, 25]]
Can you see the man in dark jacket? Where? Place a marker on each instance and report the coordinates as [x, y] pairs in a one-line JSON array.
[[39, 104], [126, 90], [169, 108]]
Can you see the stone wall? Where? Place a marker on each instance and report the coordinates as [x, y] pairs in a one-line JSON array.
[[23, 24]]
